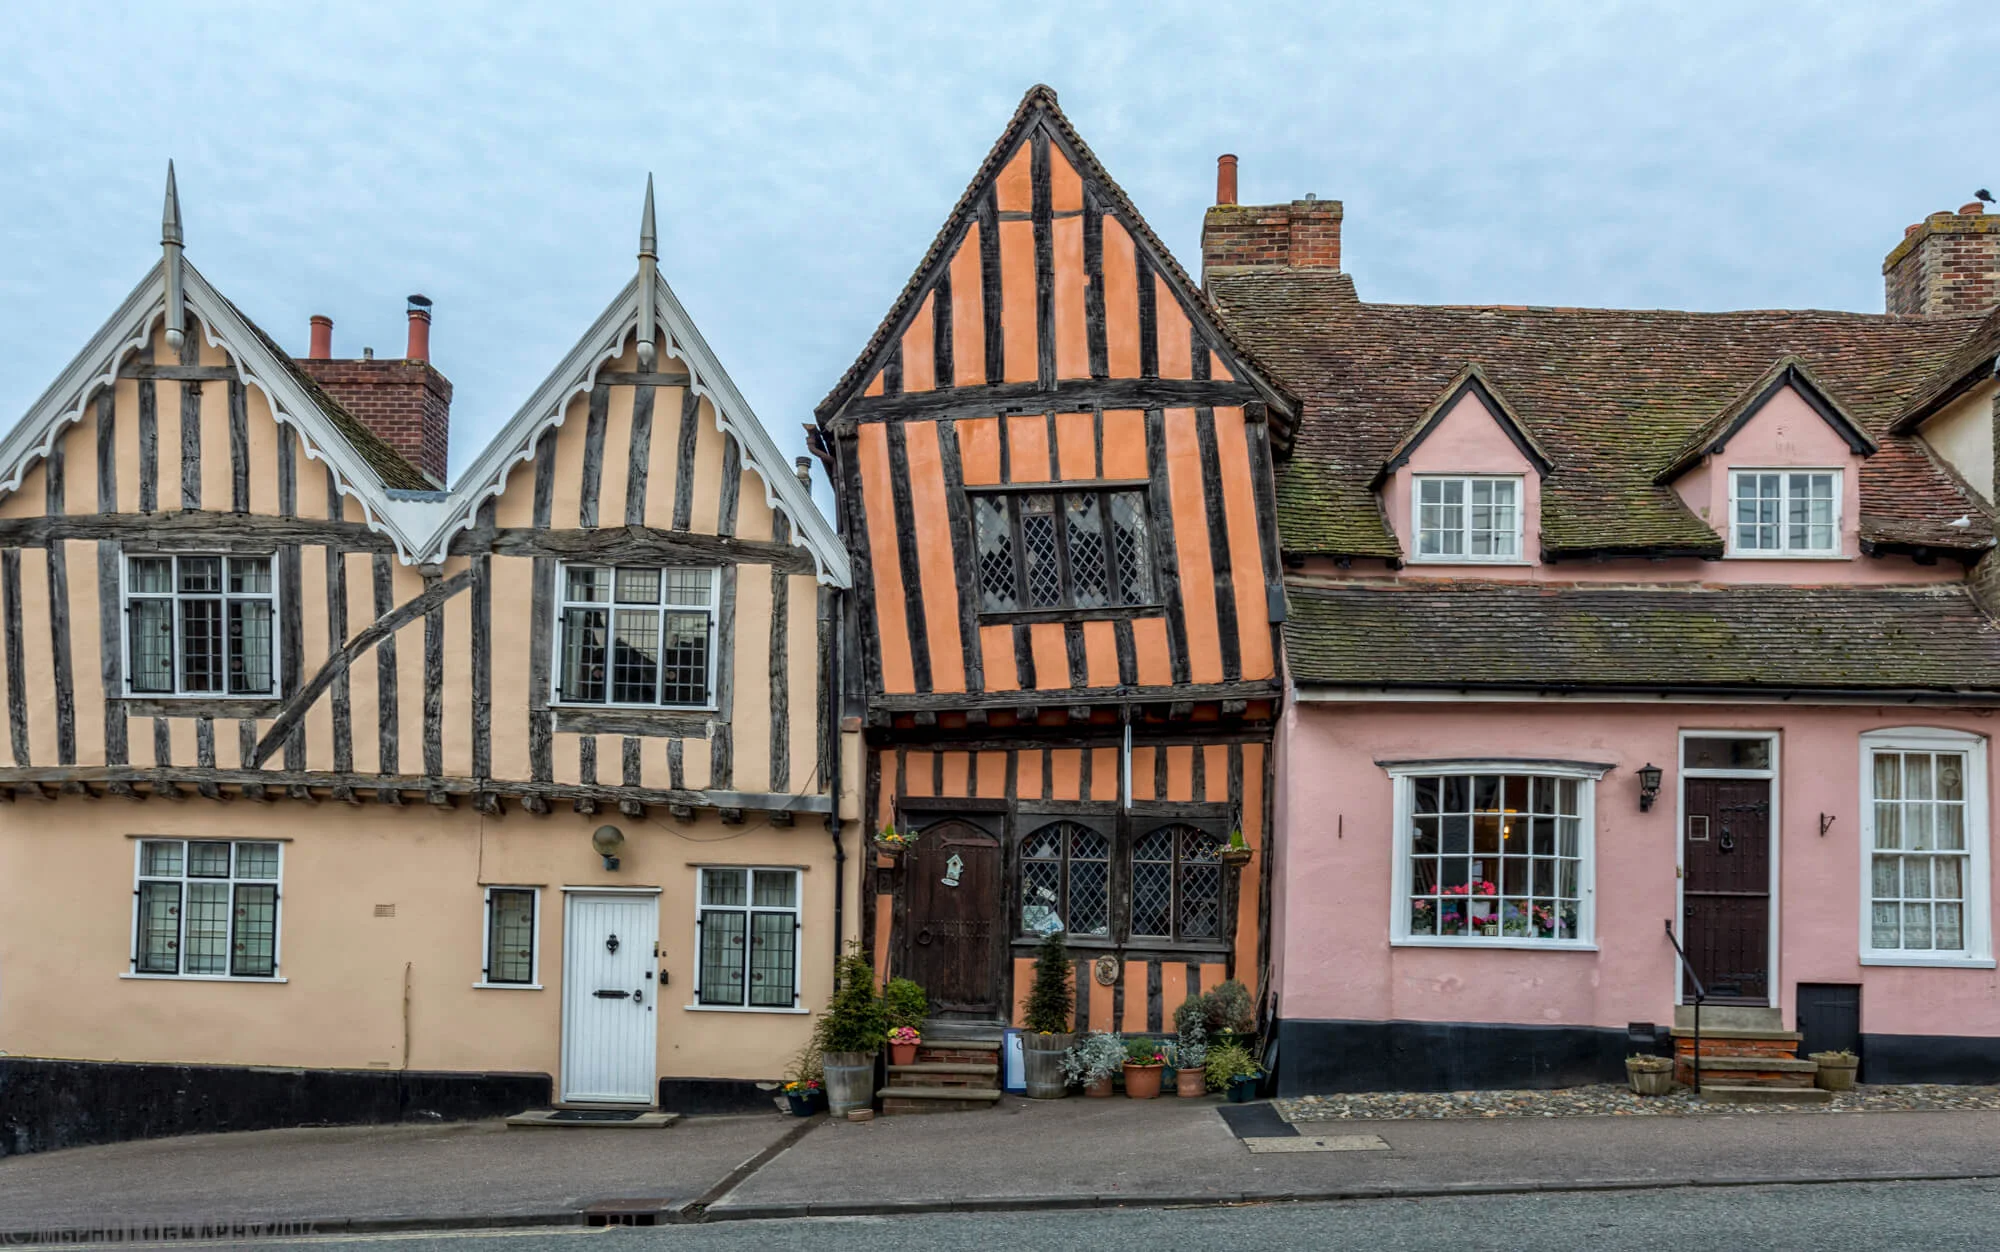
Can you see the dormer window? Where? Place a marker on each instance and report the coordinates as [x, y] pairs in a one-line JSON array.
[[1784, 512], [1461, 518]]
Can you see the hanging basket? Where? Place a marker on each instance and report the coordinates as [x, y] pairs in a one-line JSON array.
[[1236, 856]]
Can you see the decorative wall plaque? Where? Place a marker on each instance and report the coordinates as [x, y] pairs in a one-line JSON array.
[[1105, 969]]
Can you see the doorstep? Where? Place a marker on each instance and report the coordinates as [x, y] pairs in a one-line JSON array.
[[589, 1118]]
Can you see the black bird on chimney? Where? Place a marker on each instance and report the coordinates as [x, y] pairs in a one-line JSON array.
[[1984, 194]]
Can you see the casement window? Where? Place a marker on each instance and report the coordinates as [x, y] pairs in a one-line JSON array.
[[1468, 518], [201, 625], [1925, 840], [1075, 549], [1494, 855], [511, 957], [1177, 884], [206, 909], [1784, 512], [747, 934], [636, 637], [1066, 881]]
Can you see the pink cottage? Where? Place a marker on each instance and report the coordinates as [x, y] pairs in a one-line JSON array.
[[1611, 631]]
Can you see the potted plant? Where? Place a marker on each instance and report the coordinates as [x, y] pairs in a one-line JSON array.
[[804, 1088], [1650, 1075], [1232, 1070], [1143, 1063], [905, 1008], [1191, 1048], [903, 1041], [1093, 1060], [1046, 1036], [1231, 1018], [890, 841], [1238, 852], [850, 1031], [1836, 1070]]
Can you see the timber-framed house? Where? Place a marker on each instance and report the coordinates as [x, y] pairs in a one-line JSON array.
[[314, 764], [1054, 475]]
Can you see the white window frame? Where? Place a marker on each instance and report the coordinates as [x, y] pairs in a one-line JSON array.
[[1978, 915], [277, 910], [1587, 776], [126, 596], [486, 982], [1419, 557], [562, 603], [1784, 551], [797, 910]]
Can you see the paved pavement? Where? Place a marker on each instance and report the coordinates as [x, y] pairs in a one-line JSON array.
[[1068, 1154]]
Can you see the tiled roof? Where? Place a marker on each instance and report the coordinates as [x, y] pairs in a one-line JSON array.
[[1612, 394], [1576, 637]]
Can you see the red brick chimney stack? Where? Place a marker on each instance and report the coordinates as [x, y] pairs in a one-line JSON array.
[[420, 329], [1225, 178], [322, 338], [1304, 234], [1949, 263]]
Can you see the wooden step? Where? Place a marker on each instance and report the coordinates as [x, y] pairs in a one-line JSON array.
[[936, 1099], [1728, 1093]]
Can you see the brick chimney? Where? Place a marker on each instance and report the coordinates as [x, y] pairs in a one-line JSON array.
[[407, 403], [1947, 263], [1304, 234]]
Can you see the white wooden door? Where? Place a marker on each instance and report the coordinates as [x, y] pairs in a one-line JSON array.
[[610, 1035]]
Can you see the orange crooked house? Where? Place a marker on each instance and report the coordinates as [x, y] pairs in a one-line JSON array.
[[1053, 470]]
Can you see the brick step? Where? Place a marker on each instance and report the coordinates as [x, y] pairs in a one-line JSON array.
[[929, 1099], [1729, 1093], [958, 1052], [1739, 1040]]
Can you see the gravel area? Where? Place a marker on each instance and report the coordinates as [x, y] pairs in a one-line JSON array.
[[1607, 1100]]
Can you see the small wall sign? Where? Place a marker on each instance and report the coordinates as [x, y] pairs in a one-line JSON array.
[[1105, 970]]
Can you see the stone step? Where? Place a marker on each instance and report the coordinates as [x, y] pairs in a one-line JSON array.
[[1775, 1038], [1729, 1093], [927, 1067], [981, 1032], [1721, 1017], [1756, 1061], [928, 1099]]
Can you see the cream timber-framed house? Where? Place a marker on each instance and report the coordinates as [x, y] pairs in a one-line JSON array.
[[459, 800]]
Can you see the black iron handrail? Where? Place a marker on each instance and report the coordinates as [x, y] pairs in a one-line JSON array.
[[1700, 994]]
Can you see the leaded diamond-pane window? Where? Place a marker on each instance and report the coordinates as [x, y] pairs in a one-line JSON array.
[[1055, 550], [636, 636], [206, 908], [1177, 884], [510, 936], [748, 924], [200, 625], [1066, 881]]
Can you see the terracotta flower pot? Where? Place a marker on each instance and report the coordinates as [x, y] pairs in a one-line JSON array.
[[1190, 1083], [902, 1054], [1142, 1082], [1099, 1090]]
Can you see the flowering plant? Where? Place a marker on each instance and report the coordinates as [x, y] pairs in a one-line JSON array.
[[802, 1087], [1545, 919], [906, 1035], [1481, 887], [891, 838]]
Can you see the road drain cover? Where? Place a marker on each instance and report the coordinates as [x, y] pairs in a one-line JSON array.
[[1319, 1143]]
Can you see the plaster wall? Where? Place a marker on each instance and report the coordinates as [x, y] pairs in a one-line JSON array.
[[1963, 435], [1468, 440], [1333, 912]]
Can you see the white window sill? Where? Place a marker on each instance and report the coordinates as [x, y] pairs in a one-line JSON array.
[[199, 978], [1914, 961], [1466, 560], [253, 697], [1774, 554], [506, 986], [595, 707], [740, 1008], [1476, 941]]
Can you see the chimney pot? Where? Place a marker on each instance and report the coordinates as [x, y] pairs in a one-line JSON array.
[[322, 338], [803, 467], [1912, 229], [1225, 178], [420, 329], [1972, 209], [368, 354]]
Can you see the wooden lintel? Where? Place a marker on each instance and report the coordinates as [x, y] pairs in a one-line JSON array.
[[681, 812], [179, 373], [730, 817], [1068, 396], [618, 378], [643, 544]]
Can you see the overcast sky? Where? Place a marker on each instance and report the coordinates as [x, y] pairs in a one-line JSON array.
[[334, 158]]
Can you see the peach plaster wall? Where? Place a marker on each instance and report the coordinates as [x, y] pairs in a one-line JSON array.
[[1333, 906]]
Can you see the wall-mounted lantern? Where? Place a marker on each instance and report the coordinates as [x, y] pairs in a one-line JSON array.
[[607, 840], [1649, 785]]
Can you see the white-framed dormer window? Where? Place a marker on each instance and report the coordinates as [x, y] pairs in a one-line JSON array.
[[511, 957], [747, 939], [206, 909], [1460, 518], [1494, 854], [636, 636], [1925, 849], [1784, 512], [201, 625]]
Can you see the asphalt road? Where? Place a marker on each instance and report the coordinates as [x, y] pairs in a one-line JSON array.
[[1935, 1217]]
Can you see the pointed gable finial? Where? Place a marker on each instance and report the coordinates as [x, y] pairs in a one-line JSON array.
[[649, 268], [171, 241]]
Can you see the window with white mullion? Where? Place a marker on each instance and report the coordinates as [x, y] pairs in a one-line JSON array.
[[510, 950], [747, 938], [1785, 511], [206, 909], [201, 625], [1494, 857], [1919, 868], [1468, 518], [636, 637]]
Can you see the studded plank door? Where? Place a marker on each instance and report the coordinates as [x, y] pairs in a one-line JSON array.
[[954, 944], [1727, 892]]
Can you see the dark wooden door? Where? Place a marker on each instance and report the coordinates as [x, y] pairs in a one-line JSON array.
[[953, 928], [1727, 891]]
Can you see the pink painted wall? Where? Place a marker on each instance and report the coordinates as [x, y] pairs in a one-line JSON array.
[[1332, 914], [1785, 432]]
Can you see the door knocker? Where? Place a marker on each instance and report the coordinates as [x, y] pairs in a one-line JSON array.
[[611, 944], [952, 869], [1727, 843]]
